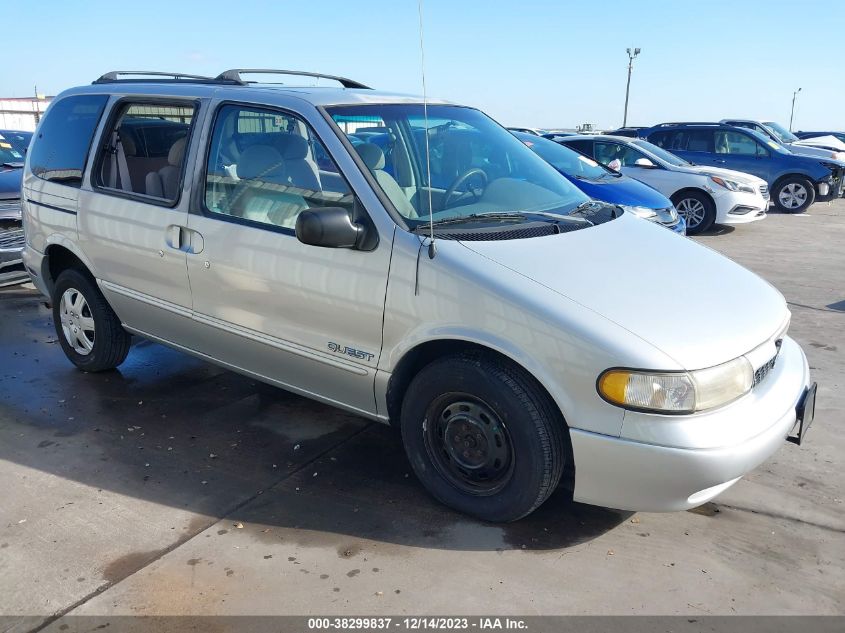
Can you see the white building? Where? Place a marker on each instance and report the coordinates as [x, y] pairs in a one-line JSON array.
[[22, 113]]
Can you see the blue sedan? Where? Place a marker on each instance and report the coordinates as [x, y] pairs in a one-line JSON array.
[[607, 185]]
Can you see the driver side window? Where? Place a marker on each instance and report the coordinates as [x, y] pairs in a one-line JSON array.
[[267, 167]]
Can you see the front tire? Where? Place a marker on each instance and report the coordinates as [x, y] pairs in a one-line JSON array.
[[698, 210], [87, 328], [794, 194], [483, 437]]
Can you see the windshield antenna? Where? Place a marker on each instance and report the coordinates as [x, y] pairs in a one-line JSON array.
[[432, 249]]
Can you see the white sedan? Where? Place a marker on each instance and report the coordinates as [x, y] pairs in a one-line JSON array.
[[703, 195]]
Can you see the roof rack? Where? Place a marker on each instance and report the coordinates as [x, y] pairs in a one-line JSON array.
[[153, 76], [688, 123], [234, 75]]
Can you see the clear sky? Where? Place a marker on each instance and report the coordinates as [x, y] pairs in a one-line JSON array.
[[525, 62]]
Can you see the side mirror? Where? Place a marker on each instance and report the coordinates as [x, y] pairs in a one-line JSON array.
[[330, 227], [645, 163]]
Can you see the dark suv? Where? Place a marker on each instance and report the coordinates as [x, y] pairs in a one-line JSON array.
[[795, 181]]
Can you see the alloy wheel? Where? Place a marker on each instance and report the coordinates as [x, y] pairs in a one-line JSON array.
[[692, 210], [793, 195]]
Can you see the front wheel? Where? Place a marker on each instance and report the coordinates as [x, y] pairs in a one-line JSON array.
[[88, 329], [794, 195], [698, 210], [483, 437]]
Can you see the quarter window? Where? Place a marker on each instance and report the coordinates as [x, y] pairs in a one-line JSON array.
[[267, 167], [61, 147], [144, 152]]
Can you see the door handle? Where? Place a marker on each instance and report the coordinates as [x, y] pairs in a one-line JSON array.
[[719, 160], [181, 238], [174, 236]]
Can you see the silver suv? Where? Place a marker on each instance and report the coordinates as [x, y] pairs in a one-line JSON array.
[[416, 264]]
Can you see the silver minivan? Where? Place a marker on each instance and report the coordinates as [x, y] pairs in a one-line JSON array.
[[414, 263]]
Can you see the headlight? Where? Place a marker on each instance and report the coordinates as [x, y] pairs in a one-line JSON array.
[[677, 392], [640, 212], [731, 185]]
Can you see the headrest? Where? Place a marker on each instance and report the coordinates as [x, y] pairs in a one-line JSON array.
[[177, 152], [261, 161], [129, 148], [292, 146], [371, 154]]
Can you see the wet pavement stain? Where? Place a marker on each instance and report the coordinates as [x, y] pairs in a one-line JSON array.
[[353, 573], [193, 562], [120, 568]]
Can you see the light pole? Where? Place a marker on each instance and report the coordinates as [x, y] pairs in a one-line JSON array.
[[631, 57], [792, 114]]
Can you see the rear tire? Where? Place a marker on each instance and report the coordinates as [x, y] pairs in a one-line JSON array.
[[698, 210], [793, 194], [88, 329], [483, 437]]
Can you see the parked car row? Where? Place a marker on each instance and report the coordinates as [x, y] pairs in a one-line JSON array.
[[725, 172]]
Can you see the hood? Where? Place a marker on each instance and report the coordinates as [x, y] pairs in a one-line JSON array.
[[10, 182], [810, 151], [828, 141], [693, 304], [739, 176], [622, 190]]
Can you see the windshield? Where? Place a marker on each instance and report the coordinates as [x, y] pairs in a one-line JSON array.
[[784, 135], [661, 153], [476, 166], [566, 160], [12, 148]]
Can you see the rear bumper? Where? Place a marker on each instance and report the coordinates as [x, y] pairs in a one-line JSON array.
[[637, 475]]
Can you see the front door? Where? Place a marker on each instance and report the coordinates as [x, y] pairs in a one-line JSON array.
[[305, 317]]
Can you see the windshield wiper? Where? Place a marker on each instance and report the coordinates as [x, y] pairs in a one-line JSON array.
[[496, 215]]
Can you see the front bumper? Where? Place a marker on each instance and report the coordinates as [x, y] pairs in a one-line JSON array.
[[738, 207], [670, 463], [12, 270], [832, 187]]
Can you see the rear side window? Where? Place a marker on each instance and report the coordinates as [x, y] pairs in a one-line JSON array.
[[585, 147], [700, 141], [60, 149], [144, 151]]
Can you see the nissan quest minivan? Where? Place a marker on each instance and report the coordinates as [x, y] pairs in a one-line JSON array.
[[517, 332]]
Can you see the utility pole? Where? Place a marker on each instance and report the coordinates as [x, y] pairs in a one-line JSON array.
[[631, 57], [792, 114]]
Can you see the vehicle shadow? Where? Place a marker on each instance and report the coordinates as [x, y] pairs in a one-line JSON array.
[[182, 433]]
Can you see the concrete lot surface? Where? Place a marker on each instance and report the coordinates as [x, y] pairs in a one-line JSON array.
[[175, 487]]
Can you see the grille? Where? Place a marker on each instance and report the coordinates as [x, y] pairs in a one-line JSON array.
[[764, 189], [763, 371], [10, 207], [11, 239]]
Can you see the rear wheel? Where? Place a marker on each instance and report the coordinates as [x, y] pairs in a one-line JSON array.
[[88, 329], [698, 210], [794, 194], [483, 437]]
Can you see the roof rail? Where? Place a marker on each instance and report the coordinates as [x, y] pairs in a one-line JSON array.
[[153, 76], [688, 123], [234, 75]]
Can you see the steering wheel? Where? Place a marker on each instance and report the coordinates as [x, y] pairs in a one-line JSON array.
[[460, 180]]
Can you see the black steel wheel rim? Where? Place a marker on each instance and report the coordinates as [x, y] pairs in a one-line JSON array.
[[468, 444]]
